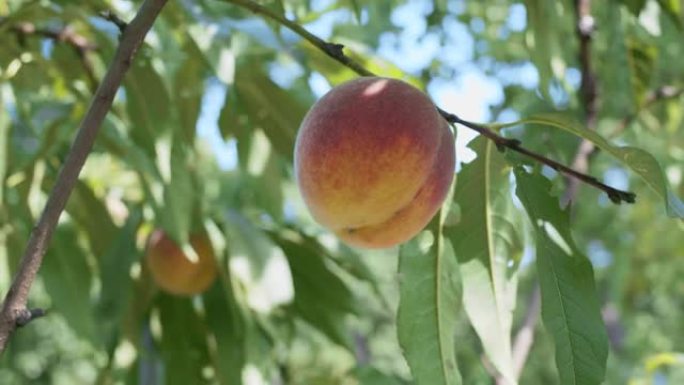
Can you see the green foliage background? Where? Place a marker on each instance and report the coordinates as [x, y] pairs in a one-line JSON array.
[[293, 305]]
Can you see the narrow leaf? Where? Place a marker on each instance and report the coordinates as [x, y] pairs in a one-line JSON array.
[[277, 112], [183, 344], [638, 160], [4, 149], [321, 297], [641, 58], [485, 240], [68, 279], [673, 9], [634, 6], [227, 326], [148, 105], [426, 318], [541, 39], [570, 306]]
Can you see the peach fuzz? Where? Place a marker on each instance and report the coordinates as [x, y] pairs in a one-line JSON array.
[[373, 161], [173, 271]]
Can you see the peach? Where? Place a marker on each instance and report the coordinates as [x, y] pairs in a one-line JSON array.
[[374, 161], [173, 271]]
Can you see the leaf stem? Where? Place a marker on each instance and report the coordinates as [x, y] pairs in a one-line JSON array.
[[335, 51], [14, 312]]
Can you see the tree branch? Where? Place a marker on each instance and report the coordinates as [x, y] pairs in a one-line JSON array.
[[335, 51], [14, 306]]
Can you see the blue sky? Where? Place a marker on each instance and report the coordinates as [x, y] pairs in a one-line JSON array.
[[468, 95]]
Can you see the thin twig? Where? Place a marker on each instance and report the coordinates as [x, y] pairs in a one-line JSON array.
[[14, 305], [335, 51]]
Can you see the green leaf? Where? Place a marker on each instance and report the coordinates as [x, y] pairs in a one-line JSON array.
[[673, 9], [68, 279], [428, 303], [268, 189], [225, 322], [189, 88], [638, 160], [277, 112], [371, 376], [541, 39], [115, 265], [92, 215], [184, 342], [321, 297], [357, 10], [641, 58], [148, 104], [634, 6], [4, 149], [485, 241], [179, 195], [570, 306]]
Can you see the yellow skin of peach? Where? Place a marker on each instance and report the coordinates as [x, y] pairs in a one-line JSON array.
[[173, 271], [374, 161]]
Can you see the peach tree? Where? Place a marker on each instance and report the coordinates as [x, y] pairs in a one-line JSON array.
[[341, 192]]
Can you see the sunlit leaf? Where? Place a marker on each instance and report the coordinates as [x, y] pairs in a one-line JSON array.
[[541, 40], [673, 9], [189, 89], [68, 279], [641, 58], [321, 297], [269, 107], [570, 306], [90, 212], [639, 161], [116, 282], [488, 245], [634, 6], [426, 318], [176, 214], [148, 104]]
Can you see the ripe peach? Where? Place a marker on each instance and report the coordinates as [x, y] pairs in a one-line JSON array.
[[171, 269], [374, 161]]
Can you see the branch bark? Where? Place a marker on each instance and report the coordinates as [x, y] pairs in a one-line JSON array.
[[336, 52], [14, 306]]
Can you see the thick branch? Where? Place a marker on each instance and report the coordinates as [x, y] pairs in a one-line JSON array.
[[14, 306], [335, 51]]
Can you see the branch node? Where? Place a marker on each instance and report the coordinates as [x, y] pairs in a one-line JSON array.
[[617, 196], [24, 316], [111, 17], [586, 26], [334, 49]]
